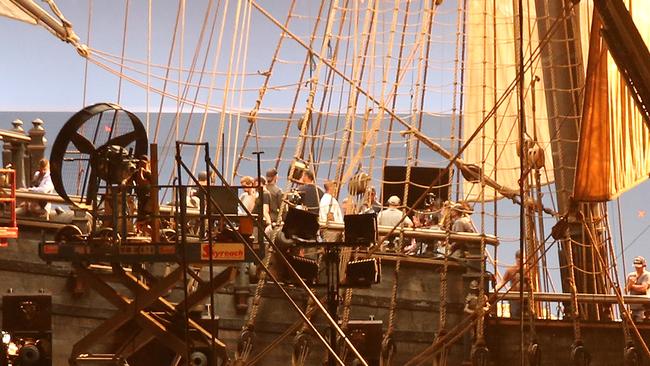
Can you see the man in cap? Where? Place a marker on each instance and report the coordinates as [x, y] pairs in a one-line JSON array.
[[637, 284], [275, 192], [392, 215], [462, 223]]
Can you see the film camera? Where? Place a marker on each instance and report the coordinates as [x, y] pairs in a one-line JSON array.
[[113, 163], [26, 330]]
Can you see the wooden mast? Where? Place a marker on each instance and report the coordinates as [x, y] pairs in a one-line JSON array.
[[563, 73]]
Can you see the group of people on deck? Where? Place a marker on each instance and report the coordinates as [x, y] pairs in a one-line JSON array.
[[637, 283], [452, 216], [323, 202]]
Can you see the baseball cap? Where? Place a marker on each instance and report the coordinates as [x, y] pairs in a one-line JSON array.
[[394, 200], [639, 261]]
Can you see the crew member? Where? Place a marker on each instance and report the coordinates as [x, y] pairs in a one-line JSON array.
[[41, 183], [142, 180], [637, 284], [264, 202], [392, 215], [371, 205], [310, 194], [275, 193], [249, 195], [513, 277], [330, 211], [461, 223]]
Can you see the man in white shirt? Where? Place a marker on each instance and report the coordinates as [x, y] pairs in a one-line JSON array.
[[330, 211], [41, 183]]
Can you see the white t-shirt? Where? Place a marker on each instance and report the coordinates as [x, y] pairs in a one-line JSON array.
[[329, 207], [643, 279], [44, 183], [391, 216]]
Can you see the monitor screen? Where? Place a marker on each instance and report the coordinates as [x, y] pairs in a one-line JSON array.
[[300, 223], [224, 197], [421, 178], [360, 230]]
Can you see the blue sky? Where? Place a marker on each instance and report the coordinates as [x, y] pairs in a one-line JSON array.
[[40, 73]]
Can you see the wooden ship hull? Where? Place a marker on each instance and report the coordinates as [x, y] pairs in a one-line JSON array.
[[77, 310]]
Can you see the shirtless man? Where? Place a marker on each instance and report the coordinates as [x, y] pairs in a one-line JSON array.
[[512, 277]]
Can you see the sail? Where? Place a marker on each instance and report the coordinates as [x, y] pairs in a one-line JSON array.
[[614, 150], [490, 71], [11, 10]]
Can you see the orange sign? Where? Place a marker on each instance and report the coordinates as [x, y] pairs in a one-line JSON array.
[[223, 252]]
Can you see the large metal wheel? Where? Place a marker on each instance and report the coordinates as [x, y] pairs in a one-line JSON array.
[[85, 137]]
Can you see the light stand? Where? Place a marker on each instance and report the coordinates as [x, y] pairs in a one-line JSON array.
[[360, 230]]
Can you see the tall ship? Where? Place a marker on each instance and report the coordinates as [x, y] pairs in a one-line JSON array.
[[333, 182]]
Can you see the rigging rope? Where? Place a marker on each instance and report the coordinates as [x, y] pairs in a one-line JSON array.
[[226, 93], [425, 55], [302, 76], [167, 71], [204, 119], [252, 117], [621, 302], [240, 63], [353, 98], [124, 33]]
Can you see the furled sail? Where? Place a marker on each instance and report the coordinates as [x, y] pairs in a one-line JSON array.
[[614, 150], [11, 10], [490, 72]]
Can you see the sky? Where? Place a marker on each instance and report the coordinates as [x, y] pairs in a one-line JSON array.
[[38, 72]]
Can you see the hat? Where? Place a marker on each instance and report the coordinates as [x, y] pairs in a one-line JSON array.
[[462, 207], [394, 201], [639, 261]]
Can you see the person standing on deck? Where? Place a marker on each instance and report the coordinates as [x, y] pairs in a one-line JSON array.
[[637, 284], [371, 205], [141, 178], [330, 211], [263, 202], [461, 223], [249, 196], [512, 276], [392, 215], [275, 192], [310, 194]]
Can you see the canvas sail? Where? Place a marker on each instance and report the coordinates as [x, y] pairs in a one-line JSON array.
[[11, 10], [614, 150], [490, 70]]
